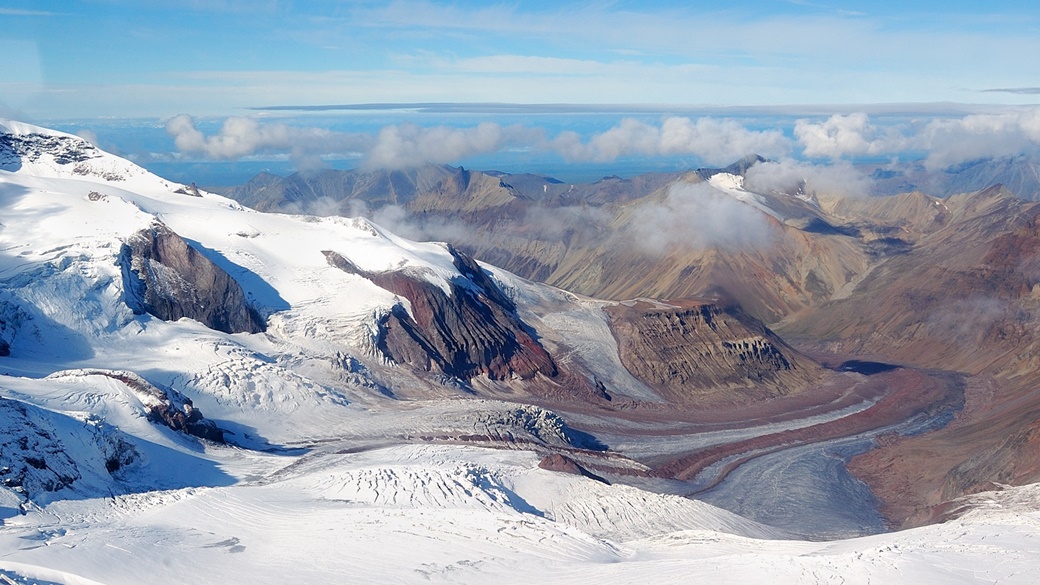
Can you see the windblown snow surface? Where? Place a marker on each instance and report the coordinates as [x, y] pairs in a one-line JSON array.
[[324, 479]]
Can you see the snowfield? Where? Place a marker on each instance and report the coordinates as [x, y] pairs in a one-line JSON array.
[[465, 515], [331, 474]]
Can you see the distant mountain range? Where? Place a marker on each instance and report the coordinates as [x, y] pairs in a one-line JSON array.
[[1019, 174]]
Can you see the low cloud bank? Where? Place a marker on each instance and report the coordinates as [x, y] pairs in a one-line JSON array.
[[240, 137], [410, 145], [716, 142], [941, 141]]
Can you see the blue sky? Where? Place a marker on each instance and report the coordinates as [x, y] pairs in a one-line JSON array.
[[216, 60], [80, 59]]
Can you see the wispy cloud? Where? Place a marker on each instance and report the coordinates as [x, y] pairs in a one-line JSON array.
[[697, 216], [21, 12], [788, 175], [805, 52], [1015, 90]]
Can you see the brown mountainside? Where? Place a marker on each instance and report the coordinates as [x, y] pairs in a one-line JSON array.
[[965, 298], [700, 352]]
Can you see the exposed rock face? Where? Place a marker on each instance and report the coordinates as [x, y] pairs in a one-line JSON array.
[[965, 297], [15, 149], [35, 460], [164, 276], [176, 412], [1020, 174], [586, 238], [472, 331], [692, 348]]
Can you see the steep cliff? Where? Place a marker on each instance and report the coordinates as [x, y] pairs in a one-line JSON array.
[[164, 276]]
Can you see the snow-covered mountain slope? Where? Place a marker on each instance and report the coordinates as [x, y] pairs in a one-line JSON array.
[[320, 424]]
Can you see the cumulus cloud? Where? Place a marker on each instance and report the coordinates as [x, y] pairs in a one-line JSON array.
[[943, 141], [696, 216], [394, 147], [410, 145], [953, 141], [843, 135], [713, 141], [240, 137], [787, 176]]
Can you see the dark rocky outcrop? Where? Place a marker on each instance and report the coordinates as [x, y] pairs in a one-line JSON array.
[[15, 149], [167, 278], [32, 459], [471, 330]]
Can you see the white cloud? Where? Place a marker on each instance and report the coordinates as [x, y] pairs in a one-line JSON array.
[[944, 141], [21, 12], [843, 135], [713, 141], [409, 145], [837, 178], [88, 135], [240, 137], [949, 142], [696, 216], [393, 147]]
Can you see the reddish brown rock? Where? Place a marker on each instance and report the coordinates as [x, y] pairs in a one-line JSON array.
[[471, 331], [564, 464]]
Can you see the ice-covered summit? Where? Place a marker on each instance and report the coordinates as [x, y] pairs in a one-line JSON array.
[[42, 152]]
